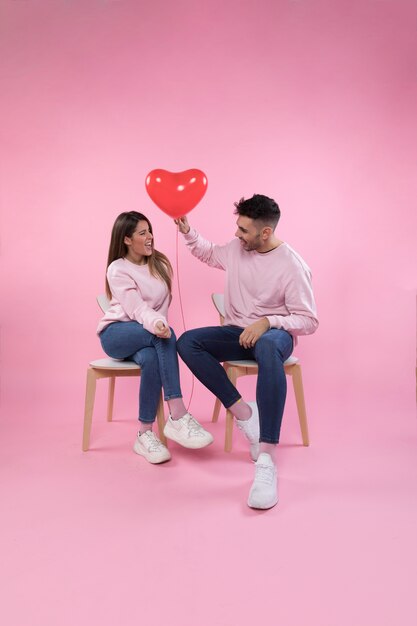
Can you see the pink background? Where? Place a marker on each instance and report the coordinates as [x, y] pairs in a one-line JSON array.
[[311, 102]]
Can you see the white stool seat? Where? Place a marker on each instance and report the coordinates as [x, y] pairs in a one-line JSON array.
[[292, 360], [114, 364]]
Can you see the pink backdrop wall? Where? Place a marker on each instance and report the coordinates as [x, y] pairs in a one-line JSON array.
[[313, 103]]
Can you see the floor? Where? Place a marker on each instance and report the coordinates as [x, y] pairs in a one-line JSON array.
[[104, 538]]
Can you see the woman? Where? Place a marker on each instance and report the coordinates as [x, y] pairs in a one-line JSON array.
[[135, 326]]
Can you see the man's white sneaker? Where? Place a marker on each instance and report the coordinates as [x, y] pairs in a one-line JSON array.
[[250, 428], [148, 445], [264, 493], [187, 432]]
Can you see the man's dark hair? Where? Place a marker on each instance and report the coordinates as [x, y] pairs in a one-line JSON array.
[[259, 208]]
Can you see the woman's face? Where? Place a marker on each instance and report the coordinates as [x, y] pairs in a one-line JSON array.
[[140, 244]]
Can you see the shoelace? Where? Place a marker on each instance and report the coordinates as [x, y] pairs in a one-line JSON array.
[[153, 442], [264, 474], [195, 428], [249, 429]]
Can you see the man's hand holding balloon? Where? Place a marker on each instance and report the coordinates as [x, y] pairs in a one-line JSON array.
[[183, 224]]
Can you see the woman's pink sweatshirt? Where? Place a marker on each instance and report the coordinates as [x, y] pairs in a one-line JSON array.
[[275, 284], [137, 296]]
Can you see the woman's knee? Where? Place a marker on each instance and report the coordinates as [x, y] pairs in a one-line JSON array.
[[147, 359]]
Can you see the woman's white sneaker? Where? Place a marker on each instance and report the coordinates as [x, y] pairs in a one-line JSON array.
[[264, 492], [148, 445], [250, 429], [187, 432]]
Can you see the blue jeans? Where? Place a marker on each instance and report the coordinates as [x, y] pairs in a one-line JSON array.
[[156, 357], [203, 349]]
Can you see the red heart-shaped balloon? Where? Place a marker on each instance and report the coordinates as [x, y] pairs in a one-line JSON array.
[[176, 193]]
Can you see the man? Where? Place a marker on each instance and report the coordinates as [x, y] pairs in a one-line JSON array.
[[268, 302]]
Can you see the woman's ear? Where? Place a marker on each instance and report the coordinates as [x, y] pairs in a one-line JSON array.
[[127, 241]]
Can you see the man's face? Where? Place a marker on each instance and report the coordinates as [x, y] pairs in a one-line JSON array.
[[248, 234]]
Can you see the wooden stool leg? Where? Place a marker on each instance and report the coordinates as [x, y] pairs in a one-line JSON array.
[[110, 398], [228, 440], [90, 393], [160, 417], [297, 382], [216, 410]]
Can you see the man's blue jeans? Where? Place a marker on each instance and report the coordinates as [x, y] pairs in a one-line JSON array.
[[156, 357], [203, 349]]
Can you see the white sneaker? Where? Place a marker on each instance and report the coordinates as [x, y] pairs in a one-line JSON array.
[[187, 432], [250, 429], [148, 445], [264, 493]]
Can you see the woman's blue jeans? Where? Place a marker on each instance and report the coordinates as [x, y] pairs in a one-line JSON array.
[[203, 349], [156, 357]]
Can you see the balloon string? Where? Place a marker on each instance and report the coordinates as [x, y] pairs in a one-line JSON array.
[[177, 270]]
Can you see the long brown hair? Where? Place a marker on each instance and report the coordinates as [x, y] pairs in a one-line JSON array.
[[124, 226]]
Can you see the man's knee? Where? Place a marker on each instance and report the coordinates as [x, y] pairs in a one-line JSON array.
[[190, 341], [184, 343], [267, 349]]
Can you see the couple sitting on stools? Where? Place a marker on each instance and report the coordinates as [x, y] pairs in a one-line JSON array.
[[268, 302]]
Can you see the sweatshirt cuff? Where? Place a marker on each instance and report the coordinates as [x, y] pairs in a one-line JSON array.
[[191, 235], [149, 323], [274, 321]]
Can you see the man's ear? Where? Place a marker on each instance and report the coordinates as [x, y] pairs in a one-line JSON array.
[[266, 232]]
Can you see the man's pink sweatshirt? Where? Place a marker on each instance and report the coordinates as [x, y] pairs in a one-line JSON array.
[[275, 284]]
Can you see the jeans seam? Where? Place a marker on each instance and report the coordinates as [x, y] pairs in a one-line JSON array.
[[165, 377]]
